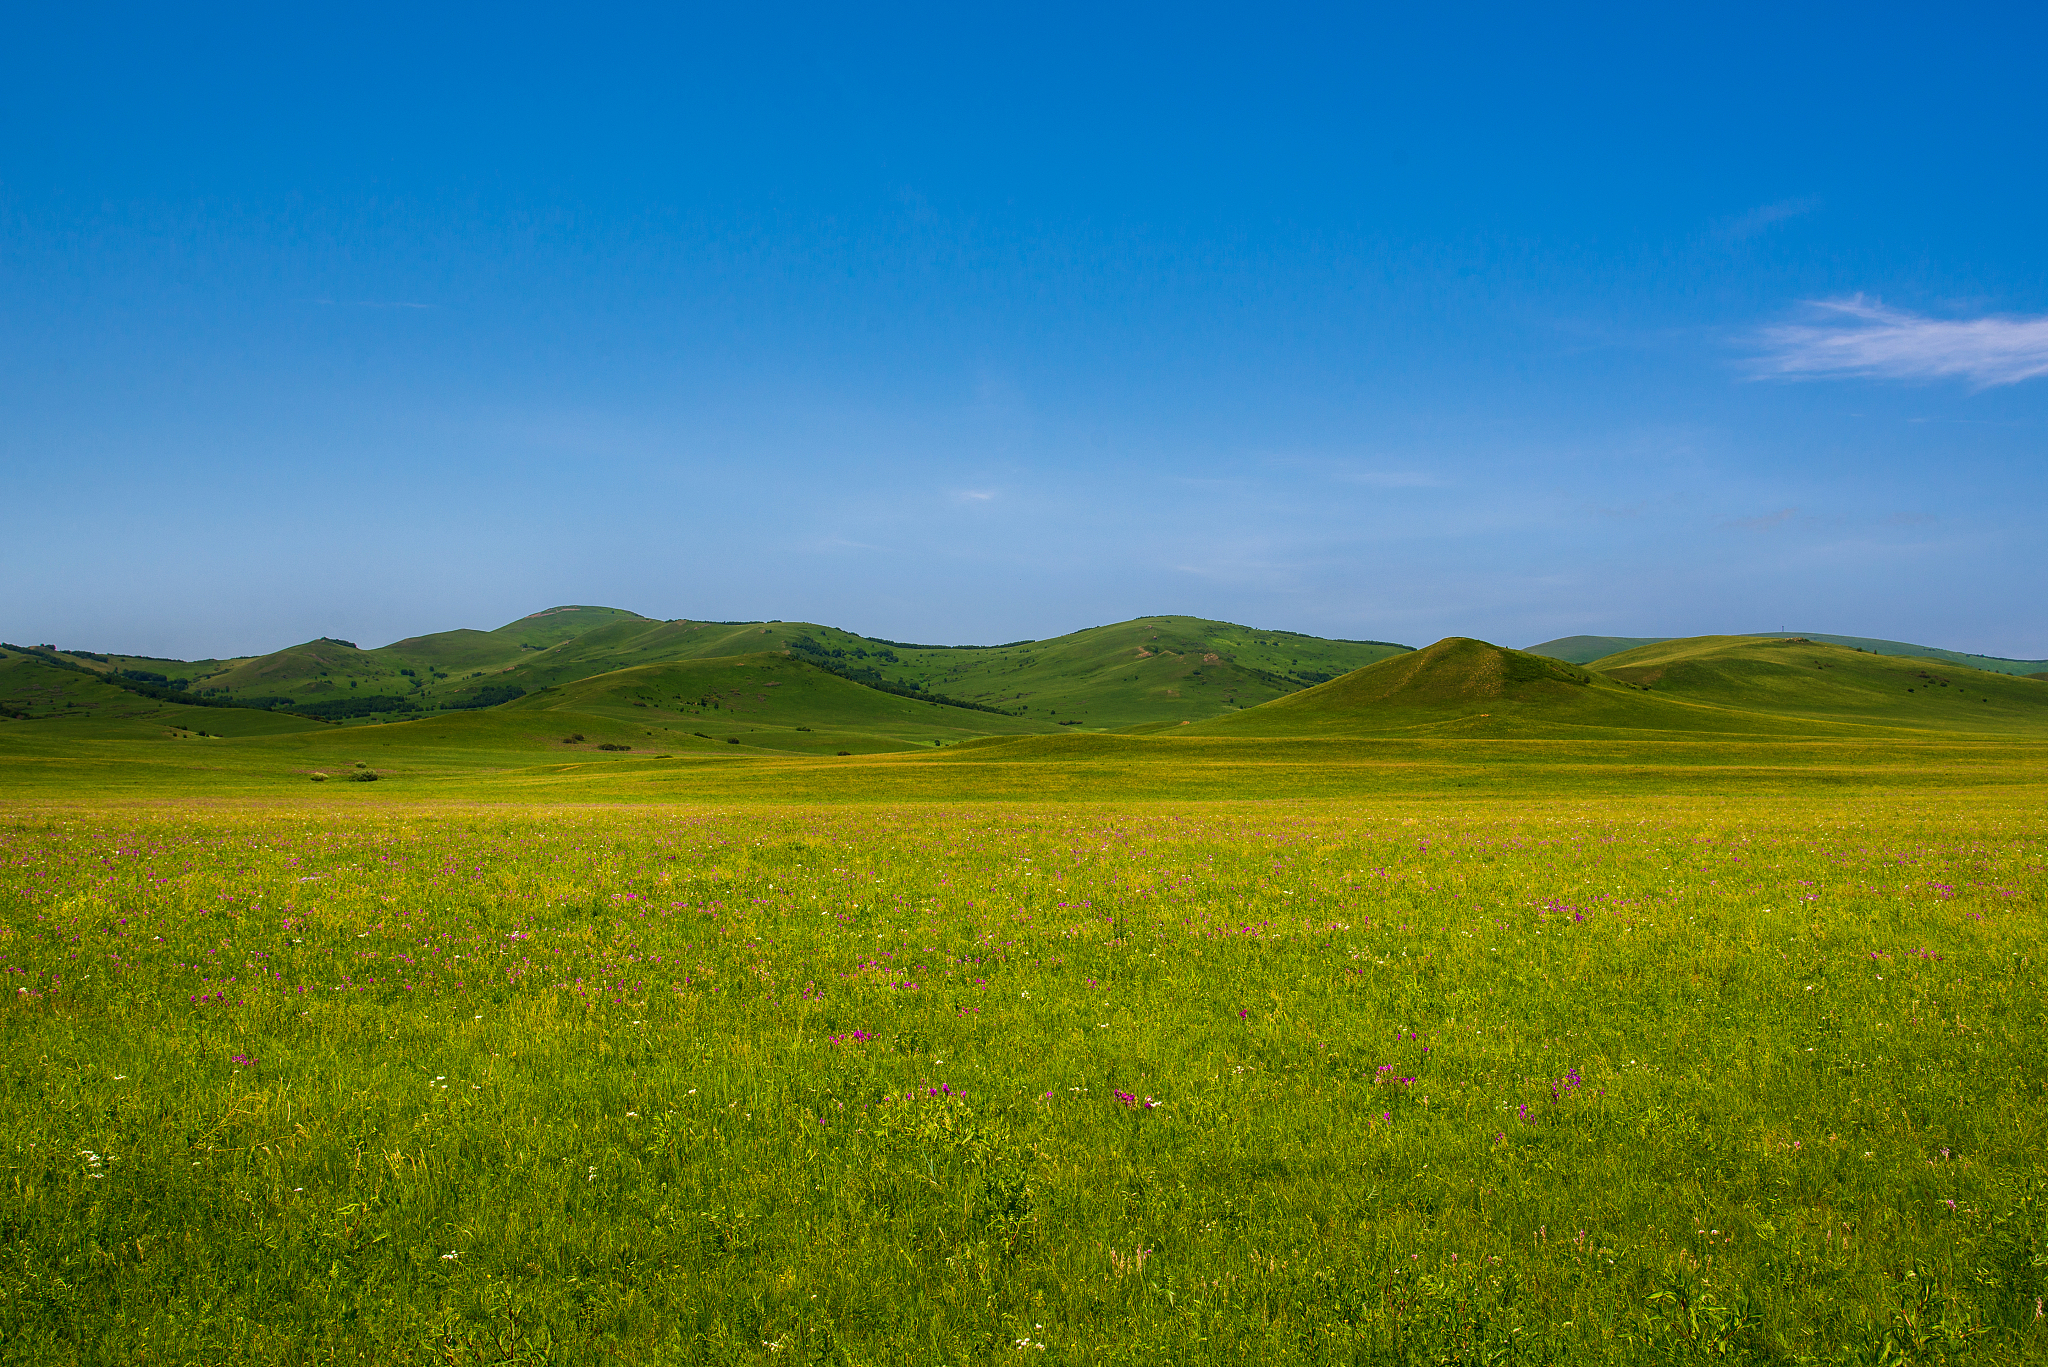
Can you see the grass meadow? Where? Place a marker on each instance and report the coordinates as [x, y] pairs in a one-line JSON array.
[[1431, 1080]]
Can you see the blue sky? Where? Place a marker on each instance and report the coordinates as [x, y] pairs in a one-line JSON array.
[[955, 326]]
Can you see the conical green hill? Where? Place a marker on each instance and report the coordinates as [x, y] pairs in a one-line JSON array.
[[1456, 671], [550, 625]]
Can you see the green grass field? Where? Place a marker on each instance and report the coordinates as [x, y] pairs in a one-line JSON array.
[[1420, 1079], [1471, 1007]]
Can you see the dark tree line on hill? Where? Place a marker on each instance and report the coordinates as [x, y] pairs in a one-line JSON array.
[[371, 705], [811, 653], [489, 696]]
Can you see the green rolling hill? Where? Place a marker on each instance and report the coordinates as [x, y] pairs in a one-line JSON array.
[[1463, 688], [421, 673], [1702, 686], [767, 701], [57, 699], [1146, 670], [1586, 649], [575, 692], [1153, 669], [733, 722], [1813, 678], [1150, 669], [725, 708]]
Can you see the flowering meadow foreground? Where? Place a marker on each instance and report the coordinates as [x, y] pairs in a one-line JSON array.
[[1589, 1081]]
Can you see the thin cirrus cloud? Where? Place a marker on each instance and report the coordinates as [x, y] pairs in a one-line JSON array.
[[1858, 337], [1760, 219]]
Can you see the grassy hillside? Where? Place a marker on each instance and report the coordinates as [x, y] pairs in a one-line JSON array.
[[764, 701], [1148, 669], [62, 704], [1586, 649], [447, 668], [1715, 684], [1463, 687], [1814, 679]]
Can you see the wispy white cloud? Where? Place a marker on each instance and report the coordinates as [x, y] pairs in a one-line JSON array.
[[974, 495], [1758, 219], [1858, 337]]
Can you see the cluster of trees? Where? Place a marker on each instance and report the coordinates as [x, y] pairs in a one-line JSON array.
[[344, 709], [814, 651], [147, 676]]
